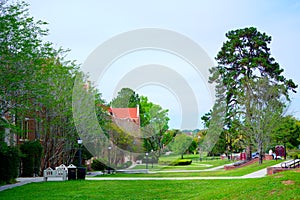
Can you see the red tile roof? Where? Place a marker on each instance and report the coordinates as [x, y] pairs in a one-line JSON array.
[[126, 113], [123, 113]]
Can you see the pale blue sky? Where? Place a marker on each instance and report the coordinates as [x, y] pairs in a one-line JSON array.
[[84, 25]]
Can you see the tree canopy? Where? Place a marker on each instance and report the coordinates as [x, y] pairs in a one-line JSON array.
[[244, 75]]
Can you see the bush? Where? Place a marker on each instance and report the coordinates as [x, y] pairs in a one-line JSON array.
[[126, 165], [150, 160], [164, 162], [31, 157], [97, 165], [10, 160], [294, 154], [182, 162]]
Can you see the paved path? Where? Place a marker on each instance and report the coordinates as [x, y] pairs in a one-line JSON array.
[[159, 178], [21, 181], [257, 174], [198, 170], [261, 173], [169, 171]]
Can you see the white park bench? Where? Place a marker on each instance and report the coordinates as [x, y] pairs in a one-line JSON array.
[[61, 171]]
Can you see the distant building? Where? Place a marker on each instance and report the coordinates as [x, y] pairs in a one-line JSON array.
[[127, 114]]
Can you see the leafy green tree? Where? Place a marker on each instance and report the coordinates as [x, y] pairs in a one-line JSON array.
[[181, 144], [153, 120], [31, 157], [243, 61], [288, 131], [126, 98], [169, 136], [267, 109], [145, 108], [194, 146], [21, 48], [37, 83], [10, 162], [154, 132]]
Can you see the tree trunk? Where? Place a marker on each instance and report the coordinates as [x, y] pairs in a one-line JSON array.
[[260, 151]]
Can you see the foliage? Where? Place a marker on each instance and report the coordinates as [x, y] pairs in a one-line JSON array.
[[126, 165], [193, 146], [37, 83], [126, 98], [10, 160], [3, 126], [267, 109], [181, 144], [182, 162], [244, 63], [153, 125], [287, 131], [294, 154], [31, 157], [155, 128], [98, 165]]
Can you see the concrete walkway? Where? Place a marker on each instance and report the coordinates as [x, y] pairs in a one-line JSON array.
[[197, 170], [261, 173], [21, 181], [257, 174], [160, 178]]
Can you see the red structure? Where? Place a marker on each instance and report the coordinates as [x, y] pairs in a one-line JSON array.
[[131, 114]]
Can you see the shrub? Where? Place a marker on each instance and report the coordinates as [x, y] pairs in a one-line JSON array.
[[150, 160], [31, 157], [181, 162], [97, 165], [10, 160], [127, 164], [294, 154], [164, 162]]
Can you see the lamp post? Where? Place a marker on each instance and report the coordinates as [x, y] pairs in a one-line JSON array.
[[147, 160], [79, 141], [109, 148], [152, 157]]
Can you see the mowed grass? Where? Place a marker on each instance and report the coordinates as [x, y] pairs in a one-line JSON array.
[[236, 172], [206, 163], [279, 186], [196, 165]]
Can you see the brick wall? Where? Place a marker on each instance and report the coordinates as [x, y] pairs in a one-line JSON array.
[[274, 170], [229, 167]]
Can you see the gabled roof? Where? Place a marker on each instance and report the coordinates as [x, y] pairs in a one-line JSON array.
[[125, 113]]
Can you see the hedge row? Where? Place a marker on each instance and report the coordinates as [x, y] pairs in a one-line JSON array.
[[176, 162], [10, 160], [31, 158]]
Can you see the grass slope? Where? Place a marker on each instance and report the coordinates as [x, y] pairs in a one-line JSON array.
[[280, 186], [236, 172]]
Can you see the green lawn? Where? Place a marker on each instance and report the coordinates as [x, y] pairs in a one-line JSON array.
[[194, 157], [196, 165], [236, 172], [279, 186], [206, 163]]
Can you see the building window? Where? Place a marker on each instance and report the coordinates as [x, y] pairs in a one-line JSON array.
[[25, 126]]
